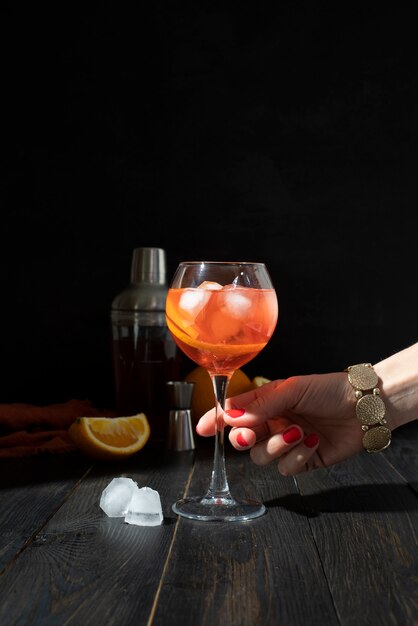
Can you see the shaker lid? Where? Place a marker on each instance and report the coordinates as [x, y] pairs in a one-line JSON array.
[[148, 266]]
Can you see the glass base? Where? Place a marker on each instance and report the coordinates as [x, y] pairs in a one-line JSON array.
[[218, 509]]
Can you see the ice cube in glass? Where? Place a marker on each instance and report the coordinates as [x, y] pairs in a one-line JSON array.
[[192, 301], [237, 304]]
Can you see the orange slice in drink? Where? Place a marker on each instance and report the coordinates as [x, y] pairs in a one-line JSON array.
[[220, 349], [180, 318]]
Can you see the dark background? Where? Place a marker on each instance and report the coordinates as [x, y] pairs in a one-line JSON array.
[[282, 132]]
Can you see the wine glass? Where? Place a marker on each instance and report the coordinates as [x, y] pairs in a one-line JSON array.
[[221, 314]]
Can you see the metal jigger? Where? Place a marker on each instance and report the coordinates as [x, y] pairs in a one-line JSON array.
[[180, 432]]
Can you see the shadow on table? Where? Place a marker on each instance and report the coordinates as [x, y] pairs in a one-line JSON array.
[[358, 498]]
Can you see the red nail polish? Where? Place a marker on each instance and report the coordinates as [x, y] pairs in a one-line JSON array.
[[311, 440], [235, 413], [291, 434], [241, 441]]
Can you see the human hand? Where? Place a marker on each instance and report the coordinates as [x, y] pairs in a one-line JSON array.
[[304, 422]]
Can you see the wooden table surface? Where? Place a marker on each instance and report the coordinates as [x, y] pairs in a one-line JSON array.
[[337, 545]]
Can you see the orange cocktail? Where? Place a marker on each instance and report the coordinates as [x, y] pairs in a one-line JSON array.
[[221, 314], [221, 327]]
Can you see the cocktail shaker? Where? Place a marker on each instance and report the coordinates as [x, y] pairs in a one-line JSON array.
[[144, 353]]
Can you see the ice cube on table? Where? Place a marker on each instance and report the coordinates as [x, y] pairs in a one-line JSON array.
[[117, 495], [145, 508], [123, 498]]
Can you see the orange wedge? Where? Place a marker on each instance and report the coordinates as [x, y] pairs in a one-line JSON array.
[[110, 438]]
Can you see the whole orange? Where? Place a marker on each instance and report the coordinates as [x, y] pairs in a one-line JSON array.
[[203, 397]]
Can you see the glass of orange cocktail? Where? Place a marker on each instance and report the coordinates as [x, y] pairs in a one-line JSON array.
[[221, 315]]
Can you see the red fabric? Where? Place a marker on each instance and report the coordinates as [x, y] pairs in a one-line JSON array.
[[28, 429]]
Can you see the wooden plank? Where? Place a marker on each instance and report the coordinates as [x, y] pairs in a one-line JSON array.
[[31, 490], [402, 454], [364, 519], [264, 571], [86, 568]]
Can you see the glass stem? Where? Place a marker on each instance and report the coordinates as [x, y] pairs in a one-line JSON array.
[[219, 488]]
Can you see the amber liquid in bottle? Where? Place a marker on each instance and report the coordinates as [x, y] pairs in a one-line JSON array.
[[144, 353], [144, 359]]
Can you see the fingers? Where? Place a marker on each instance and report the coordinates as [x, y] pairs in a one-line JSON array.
[[301, 458], [206, 426], [243, 438], [259, 405], [256, 407], [265, 451], [295, 451], [260, 423]]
